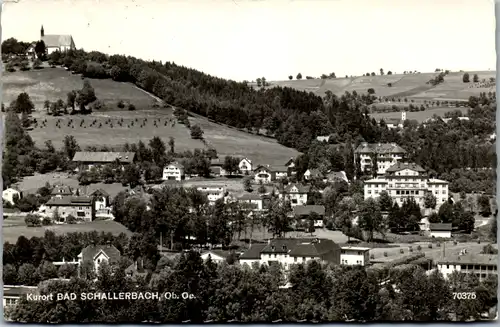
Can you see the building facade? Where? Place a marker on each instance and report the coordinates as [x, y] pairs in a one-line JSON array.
[[85, 161], [174, 171], [481, 265], [213, 192], [440, 230], [245, 166], [54, 43], [296, 194], [387, 155], [10, 194], [98, 254], [407, 180], [352, 256], [254, 201], [80, 207]]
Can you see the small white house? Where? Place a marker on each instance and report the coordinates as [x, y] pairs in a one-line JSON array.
[[213, 192], [352, 256], [173, 171], [440, 230], [263, 174], [245, 166], [98, 254], [9, 195]]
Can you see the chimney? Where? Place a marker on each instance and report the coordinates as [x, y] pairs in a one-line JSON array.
[[273, 247]]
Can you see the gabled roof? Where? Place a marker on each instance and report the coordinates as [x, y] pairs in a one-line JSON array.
[[314, 248], [380, 148], [176, 165], [259, 167], [337, 175], [250, 196], [253, 252], [306, 210], [104, 157], [404, 165], [61, 190], [281, 245], [11, 189], [301, 188], [475, 259], [53, 40], [250, 161], [70, 201], [90, 252], [18, 290], [99, 192], [291, 160], [440, 227]]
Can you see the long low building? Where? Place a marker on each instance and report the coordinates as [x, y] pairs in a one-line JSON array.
[[12, 293], [86, 160], [480, 265]]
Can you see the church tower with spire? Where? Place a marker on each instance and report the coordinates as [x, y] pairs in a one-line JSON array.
[[42, 32]]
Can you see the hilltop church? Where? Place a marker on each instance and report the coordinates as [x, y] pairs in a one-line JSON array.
[[55, 42]]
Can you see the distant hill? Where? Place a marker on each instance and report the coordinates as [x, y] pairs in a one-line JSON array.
[[402, 85]]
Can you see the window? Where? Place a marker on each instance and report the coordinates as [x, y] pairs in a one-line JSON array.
[[295, 259], [303, 258], [397, 192], [444, 192], [369, 192], [447, 266]]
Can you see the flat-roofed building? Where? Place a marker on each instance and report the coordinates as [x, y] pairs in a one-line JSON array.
[[353, 255]]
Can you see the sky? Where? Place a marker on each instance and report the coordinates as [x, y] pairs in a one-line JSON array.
[[244, 40]]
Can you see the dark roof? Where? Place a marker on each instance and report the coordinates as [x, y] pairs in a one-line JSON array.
[[258, 167], [52, 41], [215, 170], [440, 227], [17, 291], [379, 148], [61, 190], [280, 245], [91, 251], [291, 160], [104, 157], [100, 192], [308, 209], [253, 252], [278, 168], [337, 175], [404, 165], [314, 248], [301, 188], [474, 259], [70, 201], [250, 196], [176, 165]]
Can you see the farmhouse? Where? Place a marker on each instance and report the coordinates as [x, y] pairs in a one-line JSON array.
[[87, 160], [267, 174], [56, 42], [80, 207], [480, 265], [351, 256], [12, 293], [213, 192], [254, 201], [296, 194], [440, 230], [98, 254], [407, 180], [303, 212], [387, 154], [174, 171], [10, 194], [216, 167], [289, 251], [245, 166]]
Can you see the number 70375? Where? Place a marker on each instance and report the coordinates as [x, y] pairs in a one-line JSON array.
[[464, 295]]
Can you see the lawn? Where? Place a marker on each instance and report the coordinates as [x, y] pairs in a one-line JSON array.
[[55, 83], [410, 85], [419, 116], [12, 232]]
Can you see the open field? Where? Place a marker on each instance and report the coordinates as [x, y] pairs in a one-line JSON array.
[[410, 85], [419, 116], [54, 83], [11, 231]]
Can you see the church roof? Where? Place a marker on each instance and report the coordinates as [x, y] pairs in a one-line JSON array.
[[56, 41]]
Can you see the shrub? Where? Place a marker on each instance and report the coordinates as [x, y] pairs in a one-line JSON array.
[[438, 245], [430, 245], [46, 221], [455, 242], [385, 254], [372, 256], [478, 241], [37, 64], [32, 220], [401, 251], [419, 248], [120, 104], [71, 219], [410, 249], [131, 107]]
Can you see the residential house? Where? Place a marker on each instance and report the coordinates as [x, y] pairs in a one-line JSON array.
[[30, 51], [102, 204], [440, 230], [290, 164], [263, 174], [302, 213], [480, 265], [252, 255], [80, 207], [10, 194], [216, 167], [393, 123], [324, 138], [407, 180], [245, 166], [254, 201], [387, 155], [54, 42], [174, 171], [289, 251], [352, 255], [213, 192], [217, 256], [312, 174], [87, 160], [296, 194], [12, 294], [98, 254], [335, 176]]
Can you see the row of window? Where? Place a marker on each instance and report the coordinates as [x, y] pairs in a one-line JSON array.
[[473, 267]]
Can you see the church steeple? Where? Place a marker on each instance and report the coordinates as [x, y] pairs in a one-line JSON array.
[[42, 33]]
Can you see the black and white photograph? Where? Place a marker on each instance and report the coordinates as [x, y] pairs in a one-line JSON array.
[[249, 161]]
